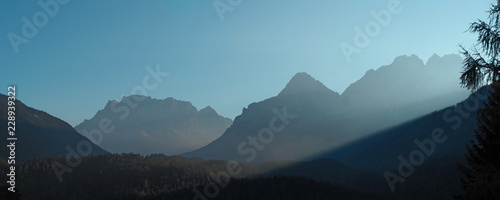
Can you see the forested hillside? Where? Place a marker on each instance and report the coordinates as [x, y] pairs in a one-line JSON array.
[[132, 176]]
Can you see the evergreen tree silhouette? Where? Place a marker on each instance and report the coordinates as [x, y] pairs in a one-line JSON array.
[[481, 175]]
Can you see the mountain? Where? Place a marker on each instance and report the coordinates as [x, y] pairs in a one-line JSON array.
[[307, 118], [40, 134], [212, 123], [401, 91], [288, 126], [443, 133], [303, 84], [144, 125]]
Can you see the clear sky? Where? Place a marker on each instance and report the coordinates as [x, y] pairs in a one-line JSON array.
[[89, 52]]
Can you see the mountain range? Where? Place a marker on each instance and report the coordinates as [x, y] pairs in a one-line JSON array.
[[307, 118], [144, 125]]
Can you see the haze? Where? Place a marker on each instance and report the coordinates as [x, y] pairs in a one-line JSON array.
[[98, 51]]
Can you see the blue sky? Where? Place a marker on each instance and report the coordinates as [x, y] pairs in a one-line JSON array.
[[93, 51]]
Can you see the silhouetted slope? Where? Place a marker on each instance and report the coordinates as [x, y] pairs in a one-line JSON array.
[[145, 125], [39, 134], [456, 123]]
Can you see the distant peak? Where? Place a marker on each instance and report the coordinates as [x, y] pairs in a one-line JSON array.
[[369, 72], [433, 59], [136, 96], [436, 60], [208, 109], [435, 56], [405, 59], [303, 83], [208, 112], [134, 100], [302, 75], [110, 102]]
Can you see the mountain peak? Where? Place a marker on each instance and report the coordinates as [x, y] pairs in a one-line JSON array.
[[407, 61], [208, 111], [434, 59], [208, 108], [303, 83], [148, 125], [446, 61]]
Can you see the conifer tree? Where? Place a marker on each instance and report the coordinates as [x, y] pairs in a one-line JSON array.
[[481, 175]]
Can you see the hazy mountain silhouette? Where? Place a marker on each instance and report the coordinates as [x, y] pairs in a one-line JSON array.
[[401, 91], [39, 134], [381, 150], [300, 114], [149, 126]]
